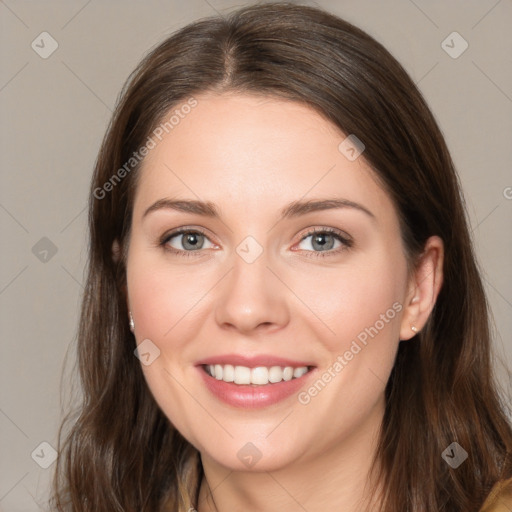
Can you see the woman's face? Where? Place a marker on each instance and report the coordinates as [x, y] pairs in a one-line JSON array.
[[254, 292]]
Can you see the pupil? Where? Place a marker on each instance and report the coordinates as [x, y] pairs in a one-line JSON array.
[[320, 242], [191, 241]]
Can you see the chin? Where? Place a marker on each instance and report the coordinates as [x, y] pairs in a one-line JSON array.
[[251, 457]]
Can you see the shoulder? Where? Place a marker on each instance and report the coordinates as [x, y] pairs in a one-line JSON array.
[[500, 498]]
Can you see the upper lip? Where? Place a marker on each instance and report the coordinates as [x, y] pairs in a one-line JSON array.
[[253, 361]]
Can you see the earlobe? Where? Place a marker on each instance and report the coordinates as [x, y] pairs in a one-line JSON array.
[[424, 288]]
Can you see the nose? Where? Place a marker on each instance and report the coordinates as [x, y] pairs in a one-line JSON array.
[[251, 298]]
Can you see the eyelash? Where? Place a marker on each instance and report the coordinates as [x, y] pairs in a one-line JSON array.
[[347, 242]]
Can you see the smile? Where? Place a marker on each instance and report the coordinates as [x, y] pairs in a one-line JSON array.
[[259, 376], [254, 382]]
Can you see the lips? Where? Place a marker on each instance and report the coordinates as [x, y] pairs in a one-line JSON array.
[[246, 393], [253, 361]]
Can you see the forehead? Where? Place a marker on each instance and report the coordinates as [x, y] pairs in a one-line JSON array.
[[254, 152]]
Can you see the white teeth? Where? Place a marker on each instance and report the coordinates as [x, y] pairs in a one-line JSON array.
[[242, 375], [260, 375], [288, 373], [299, 372], [275, 374], [228, 374]]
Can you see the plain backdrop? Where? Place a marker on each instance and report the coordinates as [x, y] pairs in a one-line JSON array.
[[55, 109]]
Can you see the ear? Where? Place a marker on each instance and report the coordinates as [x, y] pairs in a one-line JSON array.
[[423, 288]]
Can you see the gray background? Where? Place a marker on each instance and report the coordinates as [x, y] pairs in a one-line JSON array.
[[55, 112]]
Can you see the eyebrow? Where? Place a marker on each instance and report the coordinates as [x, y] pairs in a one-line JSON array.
[[293, 209]]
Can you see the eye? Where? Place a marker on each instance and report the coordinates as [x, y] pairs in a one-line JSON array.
[[185, 241], [328, 240]]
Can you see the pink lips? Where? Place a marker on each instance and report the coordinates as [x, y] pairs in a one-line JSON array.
[[251, 396], [253, 361]]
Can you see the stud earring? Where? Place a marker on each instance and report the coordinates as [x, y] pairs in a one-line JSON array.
[[132, 323], [414, 329]]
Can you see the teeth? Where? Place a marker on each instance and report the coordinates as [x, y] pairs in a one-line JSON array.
[[260, 376], [288, 373], [242, 375], [228, 373], [299, 372]]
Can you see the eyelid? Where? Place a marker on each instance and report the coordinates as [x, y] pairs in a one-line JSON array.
[[344, 238], [324, 229], [164, 239]]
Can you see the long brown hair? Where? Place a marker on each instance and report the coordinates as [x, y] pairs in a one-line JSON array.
[[122, 453]]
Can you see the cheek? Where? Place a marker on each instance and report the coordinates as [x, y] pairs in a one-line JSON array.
[[362, 305], [161, 294], [163, 302], [354, 299]]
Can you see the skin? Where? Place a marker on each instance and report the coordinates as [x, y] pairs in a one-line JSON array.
[[251, 156]]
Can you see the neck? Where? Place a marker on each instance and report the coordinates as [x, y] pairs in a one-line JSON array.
[[339, 478]]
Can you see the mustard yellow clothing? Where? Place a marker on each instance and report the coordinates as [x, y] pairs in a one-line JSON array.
[[500, 498]]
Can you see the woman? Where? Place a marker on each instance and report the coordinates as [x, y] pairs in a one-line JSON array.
[[283, 309]]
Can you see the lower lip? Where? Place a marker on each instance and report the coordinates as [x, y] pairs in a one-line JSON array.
[[251, 396]]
